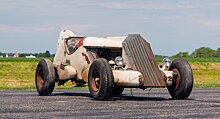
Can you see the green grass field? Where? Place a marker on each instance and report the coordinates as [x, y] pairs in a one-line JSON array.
[[20, 75], [206, 74]]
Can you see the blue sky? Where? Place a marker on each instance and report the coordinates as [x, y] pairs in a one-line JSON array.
[[170, 26]]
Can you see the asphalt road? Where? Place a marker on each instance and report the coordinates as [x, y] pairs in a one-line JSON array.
[[203, 103]]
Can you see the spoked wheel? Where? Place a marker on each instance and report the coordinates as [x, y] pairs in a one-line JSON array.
[[100, 79], [182, 80], [45, 77]]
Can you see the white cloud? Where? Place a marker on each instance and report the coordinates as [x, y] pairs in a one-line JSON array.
[[47, 17], [215, 4], [45, 28], [9, 28], [19, 29], [77, 27], [129, 5], [142, 4], [42, 29], [212, 24], [5, 28]]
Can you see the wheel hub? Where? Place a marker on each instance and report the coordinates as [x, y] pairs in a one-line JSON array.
[[177, 78], [95, 80], [40, 78]]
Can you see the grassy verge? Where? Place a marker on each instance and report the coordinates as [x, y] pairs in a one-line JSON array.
[[20, 76], [206, 74], [17, 75], [207, 85]]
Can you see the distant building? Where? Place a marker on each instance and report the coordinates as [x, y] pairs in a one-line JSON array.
[[31, 56], [11, 55]]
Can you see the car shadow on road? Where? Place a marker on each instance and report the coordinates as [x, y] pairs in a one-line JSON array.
[[137, 98], [71, 94], [113, 98]]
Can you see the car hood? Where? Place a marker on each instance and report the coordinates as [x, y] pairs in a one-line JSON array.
[[103, 42]]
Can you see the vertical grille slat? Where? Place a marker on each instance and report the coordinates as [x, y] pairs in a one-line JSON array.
[[142, 59]]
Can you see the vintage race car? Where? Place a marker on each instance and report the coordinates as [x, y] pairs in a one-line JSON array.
[[110, 64]]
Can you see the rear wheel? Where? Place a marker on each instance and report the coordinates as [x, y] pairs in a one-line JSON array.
[[182, 80], [117, 90], [45, 77], [100, 79]]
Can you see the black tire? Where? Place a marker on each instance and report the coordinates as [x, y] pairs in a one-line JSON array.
[[117, 90], [79, 85], [45, 77], [183, 79], [100, 79]]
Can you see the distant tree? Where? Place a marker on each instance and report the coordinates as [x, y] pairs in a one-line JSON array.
[[182, 54], [47, 54], [35, 54], [217, 53], [22, 55], [52, 55], [203, 52], [40, 55], [160, 56]]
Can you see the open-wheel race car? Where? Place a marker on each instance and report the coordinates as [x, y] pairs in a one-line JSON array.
[[110, 64]]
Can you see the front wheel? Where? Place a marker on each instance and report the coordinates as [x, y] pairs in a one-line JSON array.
[[182, 80], [45, 77], [100, 79]]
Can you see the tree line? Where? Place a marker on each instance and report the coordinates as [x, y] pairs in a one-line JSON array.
[[44, 54], [202, 52]]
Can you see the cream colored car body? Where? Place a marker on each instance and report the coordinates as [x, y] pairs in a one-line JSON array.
[[75, 66]]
